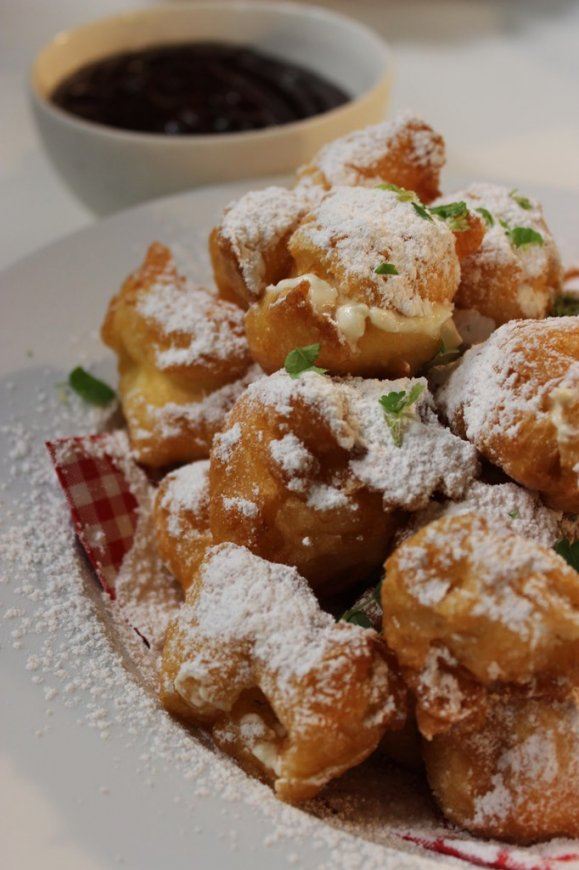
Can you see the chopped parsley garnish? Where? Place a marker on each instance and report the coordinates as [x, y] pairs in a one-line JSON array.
[[356, 617], [520, 237], [422, 211], [522, 201], [566, 305], [454, 213], [386, 269], [523, 236], [514, 515], [89, 388], [303, 359], [396, 406], [404, 195], [488, 218], [569, 551]]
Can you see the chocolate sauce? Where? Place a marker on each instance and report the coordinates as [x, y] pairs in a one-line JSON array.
[[195, 88]]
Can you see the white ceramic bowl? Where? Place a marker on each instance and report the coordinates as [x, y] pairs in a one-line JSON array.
[[109, 169]]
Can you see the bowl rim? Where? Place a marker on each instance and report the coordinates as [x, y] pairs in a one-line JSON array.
[[304, 10]]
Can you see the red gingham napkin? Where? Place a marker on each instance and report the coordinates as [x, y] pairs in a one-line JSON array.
[[104, 510], [481, 853], [102, 504]]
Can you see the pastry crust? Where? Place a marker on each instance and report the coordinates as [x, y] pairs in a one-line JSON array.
[[516, 398], [183, 360], [516, 776], [307, 473], [501, 280], [405, 151], [373, 283], [467, 608], [292, 695], [249, 247], [181, 518]]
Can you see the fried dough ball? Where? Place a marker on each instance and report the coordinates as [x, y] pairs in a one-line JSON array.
[[373, 284], [510, 276], [514, 778], [405, 151], [505, 505], [307, 473], [183, 360], [181, 518], [466, 607], [516, 398], [249, 247], [292, 695]]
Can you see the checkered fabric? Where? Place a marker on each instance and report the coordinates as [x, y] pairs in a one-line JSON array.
[[102, 506], [479, 853]]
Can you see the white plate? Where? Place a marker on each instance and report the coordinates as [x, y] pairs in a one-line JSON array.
[[82, 783]]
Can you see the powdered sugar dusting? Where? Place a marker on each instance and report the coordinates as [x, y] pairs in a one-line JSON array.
[[353, 159], [505, 506], [486, 388], [186, 490], [200, 327], [357, 229], [429, 459], [206, 415], [527, 262], [259, 220]]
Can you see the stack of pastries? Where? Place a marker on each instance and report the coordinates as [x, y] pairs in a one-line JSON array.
[[375, 406]]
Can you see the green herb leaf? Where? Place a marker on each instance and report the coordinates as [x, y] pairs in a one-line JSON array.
[[404, 195], [386, 269], [523, 201], [454, 213], [421, 210], [504, 224], [378, 592], [444, 355], [522, 236], [566, 305], [514, 515], [569, 551], [396, 406], [303, 359], [356, 617], [89, 388], [394, 403], [488, 218]]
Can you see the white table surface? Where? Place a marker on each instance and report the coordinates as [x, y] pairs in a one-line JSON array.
[[499, 78]]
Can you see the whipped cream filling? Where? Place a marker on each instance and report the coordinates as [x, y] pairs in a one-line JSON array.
[[352, 318], [561, 399], [187, 685], [533, 302]]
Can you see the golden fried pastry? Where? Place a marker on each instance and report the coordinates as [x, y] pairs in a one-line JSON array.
[[405, 151], [292, 695], [308, 472], [467, 607], [514, 778], [249, 247], [181, 517], [183, 360], [506, 506], [516, 398], [373, 283], [516, 272]]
